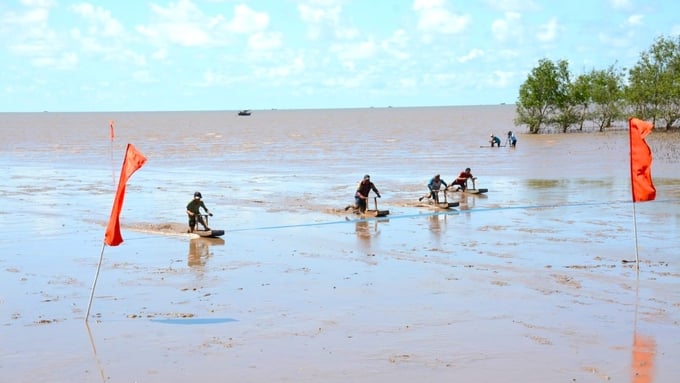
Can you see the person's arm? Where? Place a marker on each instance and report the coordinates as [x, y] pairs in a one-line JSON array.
[[358, 192], [375, 190]]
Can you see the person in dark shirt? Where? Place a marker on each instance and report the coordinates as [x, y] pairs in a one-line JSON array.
[[361, 195], [194, 212]]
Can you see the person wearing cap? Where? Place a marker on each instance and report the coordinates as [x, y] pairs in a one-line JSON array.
[[361, 195], [194, 212], [434, 186], [462, 179], [495, 141]]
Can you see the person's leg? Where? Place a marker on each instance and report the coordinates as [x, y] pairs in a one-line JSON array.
[[362, 205], [357, 203], [192, 223], [202, 222]]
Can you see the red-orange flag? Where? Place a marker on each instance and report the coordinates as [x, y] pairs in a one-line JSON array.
[[133, 161], [111, 132], [641, 161]]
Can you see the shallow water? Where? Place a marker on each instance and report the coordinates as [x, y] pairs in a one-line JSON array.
[[528, 277]]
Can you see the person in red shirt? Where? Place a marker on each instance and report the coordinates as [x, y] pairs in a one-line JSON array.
[[462, 179]]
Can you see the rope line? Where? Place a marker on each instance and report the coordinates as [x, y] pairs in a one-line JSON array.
[[451, 212]]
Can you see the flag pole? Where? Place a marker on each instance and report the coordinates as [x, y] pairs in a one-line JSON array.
[[111, 136], [637, 259], [94, 284]]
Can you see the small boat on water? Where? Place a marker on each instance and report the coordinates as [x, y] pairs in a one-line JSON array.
[[244, 112], [470, 191], [368, 213], [208, 233], [436, 204]]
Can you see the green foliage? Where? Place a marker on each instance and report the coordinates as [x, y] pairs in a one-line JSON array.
[[538, 96], [606, 97], [550, 98]]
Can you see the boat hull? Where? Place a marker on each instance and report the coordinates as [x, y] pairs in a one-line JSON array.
[[209, 233]]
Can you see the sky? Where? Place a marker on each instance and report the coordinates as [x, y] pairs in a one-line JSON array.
[[138, 55]]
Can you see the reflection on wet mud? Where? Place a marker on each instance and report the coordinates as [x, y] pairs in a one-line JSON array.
[[644, 348], [644, 351], [199, 250], [469, 201], [544, 183], [102, 374], [367, 229]]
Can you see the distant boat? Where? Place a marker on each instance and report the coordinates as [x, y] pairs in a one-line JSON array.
[[244, 112]]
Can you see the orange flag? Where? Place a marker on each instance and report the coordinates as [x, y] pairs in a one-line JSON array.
[[133, 161], [111, 133], [640, 161]]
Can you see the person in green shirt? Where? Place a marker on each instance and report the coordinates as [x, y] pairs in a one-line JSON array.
[[194, 212], [495, 141]]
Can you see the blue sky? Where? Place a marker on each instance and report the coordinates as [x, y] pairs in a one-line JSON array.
[[140, 55]]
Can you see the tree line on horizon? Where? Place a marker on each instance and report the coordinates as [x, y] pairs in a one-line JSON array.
[[551, 98]]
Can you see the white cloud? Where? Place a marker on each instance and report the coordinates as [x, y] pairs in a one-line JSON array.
[[101, 22], [143, 76], [635, 20], [675, 29], [621, 4], [28, 35], [618, 41], [500, 79], [513, 5], [548, 31], [39, 3], [347, 33], [248, 21], [397, 45], [62, 61], [350, 52], [296, 66], [319, 16], [473, 54], [265, 41], [160, 54], [433, 17], [183, 23], [508, 28]]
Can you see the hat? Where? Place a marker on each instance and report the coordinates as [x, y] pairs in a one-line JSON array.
[[366, 176], [198, 194]]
